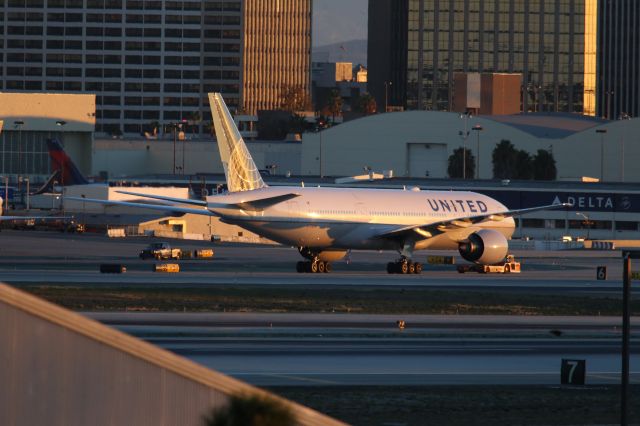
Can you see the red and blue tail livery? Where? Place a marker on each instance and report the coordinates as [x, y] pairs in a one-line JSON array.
[[60, 161]]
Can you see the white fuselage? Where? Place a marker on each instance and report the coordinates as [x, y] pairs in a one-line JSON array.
[[354, 218]]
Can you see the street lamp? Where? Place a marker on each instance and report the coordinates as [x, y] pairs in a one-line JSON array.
[[184, 141], [6, 193], [477, 128], [27, 180], [61, 124], [602, 132], [587, 222], [386, 95], [19, 124], [175, 127], [464, 135], [319, 129]]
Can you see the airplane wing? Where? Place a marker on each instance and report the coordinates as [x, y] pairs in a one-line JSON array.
[[434, 228]]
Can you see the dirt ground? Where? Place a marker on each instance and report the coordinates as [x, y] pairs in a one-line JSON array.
[[467, 405]]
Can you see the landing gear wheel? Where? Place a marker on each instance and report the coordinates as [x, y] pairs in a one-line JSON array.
[[321, 266], [307, 266], [412, 268], [507, 269], [300, 267], [314, 267], [327, 267], [418, 267], [404, 267]]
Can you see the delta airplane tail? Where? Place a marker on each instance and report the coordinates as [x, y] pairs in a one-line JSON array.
[[65, 171], [239, 168]]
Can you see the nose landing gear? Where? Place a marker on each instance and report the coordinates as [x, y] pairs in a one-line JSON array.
[[404, 266]]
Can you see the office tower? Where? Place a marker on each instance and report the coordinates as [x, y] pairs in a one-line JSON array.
[[551, 43], [387, 52], [153, 61], [618, 88], [277, 52]]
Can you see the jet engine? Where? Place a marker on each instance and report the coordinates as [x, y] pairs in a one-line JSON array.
[[485, 247]]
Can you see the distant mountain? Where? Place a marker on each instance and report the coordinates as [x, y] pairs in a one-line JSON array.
[[354, 51]]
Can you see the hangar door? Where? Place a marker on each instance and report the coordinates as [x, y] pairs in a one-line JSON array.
[[427, 160]]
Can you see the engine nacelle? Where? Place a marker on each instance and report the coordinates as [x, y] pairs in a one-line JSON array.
[[485, 247]]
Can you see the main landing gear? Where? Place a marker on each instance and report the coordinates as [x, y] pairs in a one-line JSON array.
[[314, 266], [404, 266]]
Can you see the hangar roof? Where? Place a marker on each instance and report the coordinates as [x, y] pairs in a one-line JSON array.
[[548, 125]]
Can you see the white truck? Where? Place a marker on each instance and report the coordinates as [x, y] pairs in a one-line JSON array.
[[161, 251], [509, 266]]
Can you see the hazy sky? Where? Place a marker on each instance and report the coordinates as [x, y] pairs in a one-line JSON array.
[[339, 20]]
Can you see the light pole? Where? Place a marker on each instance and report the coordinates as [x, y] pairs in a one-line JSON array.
[[386, 95], [184, 140], [464, 135], [61, 124], [27, 180], [319, 129], [609, 94], [174, 126], [54, 197], [6, 193], [477, 128], [19, 124], [587, 222], [602, 132]]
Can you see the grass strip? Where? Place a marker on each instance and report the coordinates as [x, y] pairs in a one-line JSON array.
[[372, 300]]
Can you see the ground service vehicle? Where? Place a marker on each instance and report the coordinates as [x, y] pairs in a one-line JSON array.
[[161, 251], [509, 265]]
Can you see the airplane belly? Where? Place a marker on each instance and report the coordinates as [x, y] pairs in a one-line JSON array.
[[299, 234]]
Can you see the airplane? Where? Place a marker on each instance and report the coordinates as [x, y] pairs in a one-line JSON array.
[[324, 223], [65, 172]]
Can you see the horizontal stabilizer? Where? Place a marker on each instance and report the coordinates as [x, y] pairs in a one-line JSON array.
[[165, 198], [171, 209]]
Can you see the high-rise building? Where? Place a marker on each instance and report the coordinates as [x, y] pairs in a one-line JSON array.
[[154, 61], [551, 43], [618, 88], [387, 52], [276, 53]]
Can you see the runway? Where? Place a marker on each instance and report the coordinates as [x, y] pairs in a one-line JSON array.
[[351, 349], [329, 350], [47, 258]]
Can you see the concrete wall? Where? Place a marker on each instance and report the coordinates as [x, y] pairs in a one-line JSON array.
[[121, 158], [40, 111], [60, 368]]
